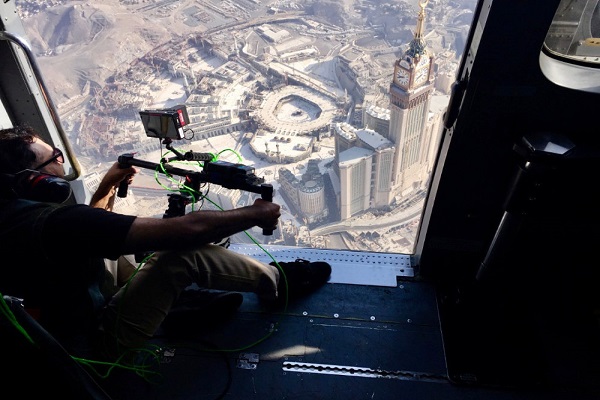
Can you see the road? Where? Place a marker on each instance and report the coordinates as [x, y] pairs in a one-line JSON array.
[[395, 218]]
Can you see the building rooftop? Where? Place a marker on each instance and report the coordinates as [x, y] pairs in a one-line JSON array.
[[373, 139], [354, 155]]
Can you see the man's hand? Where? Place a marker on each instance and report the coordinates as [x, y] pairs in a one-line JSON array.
[[116, 174], [268, 214], [105, 194]]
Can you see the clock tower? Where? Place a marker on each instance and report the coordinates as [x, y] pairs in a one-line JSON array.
[[410, 94]]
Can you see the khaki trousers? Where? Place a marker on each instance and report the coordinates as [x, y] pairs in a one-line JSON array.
[[136, 311]]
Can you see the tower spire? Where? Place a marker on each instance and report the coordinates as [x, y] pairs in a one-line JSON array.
[[417, 45], [421, 19]]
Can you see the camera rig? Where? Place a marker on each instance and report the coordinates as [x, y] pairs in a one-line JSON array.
[[226, 174]]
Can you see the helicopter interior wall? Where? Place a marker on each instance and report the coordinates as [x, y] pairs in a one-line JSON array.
[[539, 312], [17, 98], [505, 98]]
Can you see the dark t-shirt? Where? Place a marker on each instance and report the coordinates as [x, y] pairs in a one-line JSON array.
[[53, 259]]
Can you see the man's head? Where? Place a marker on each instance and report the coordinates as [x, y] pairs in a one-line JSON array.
[[21, 148], [30, 167]]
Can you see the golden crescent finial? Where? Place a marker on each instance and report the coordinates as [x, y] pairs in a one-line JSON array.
[[420, 19]]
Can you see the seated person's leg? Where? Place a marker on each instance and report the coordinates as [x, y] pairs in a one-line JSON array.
[[126, 267], [215, 267], [136, 312]]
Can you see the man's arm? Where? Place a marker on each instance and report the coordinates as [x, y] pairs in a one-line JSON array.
[[104, 197], [198, 228], [185, 232]]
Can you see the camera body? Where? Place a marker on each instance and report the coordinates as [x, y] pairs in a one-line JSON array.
[[165, 124], [231, 176]]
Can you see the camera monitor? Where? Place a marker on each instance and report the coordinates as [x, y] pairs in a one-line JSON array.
[[165, 124]]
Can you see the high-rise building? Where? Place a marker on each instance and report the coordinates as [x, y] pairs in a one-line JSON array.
[[393, 154], [365, 169], [378, 119], [410, 95]]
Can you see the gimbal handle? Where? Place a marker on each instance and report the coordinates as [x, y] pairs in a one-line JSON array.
[[267, 195]]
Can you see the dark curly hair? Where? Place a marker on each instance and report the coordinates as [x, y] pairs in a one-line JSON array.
[[15, 151]]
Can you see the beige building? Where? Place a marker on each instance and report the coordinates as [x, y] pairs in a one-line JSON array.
[[365, 169], [306, 195]]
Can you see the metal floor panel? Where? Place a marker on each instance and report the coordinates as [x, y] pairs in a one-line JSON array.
[[342, 342], [339, 333], [352, 267]]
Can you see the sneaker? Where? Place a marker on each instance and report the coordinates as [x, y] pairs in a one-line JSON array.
[[303, 277], [197, 308]]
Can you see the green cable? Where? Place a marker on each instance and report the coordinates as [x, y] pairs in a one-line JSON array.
[[13, 320], [233, 151]]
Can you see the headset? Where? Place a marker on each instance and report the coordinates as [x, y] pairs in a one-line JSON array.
[[35, 185]]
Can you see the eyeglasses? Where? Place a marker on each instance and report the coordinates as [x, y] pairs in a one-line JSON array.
[[57, 155]]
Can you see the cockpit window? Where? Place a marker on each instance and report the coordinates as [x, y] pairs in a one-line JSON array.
[[575, 31], [570, 56], [4, 119]]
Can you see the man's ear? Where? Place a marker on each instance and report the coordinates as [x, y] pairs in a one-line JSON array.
[[39, 186]]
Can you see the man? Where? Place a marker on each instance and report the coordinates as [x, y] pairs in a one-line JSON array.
[[54, 253]]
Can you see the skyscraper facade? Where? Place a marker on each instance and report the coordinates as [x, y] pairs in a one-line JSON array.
[[392, 155], [410, 95]]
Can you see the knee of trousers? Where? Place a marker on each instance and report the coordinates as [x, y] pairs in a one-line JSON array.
[[216, 267], [174, 267]]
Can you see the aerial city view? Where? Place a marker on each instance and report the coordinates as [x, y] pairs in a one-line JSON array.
[[339, 105]]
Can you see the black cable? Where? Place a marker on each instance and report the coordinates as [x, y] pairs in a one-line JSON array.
[[210, 347]]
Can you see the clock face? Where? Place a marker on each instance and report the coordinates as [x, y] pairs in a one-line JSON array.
[[423, 61], [402, 76], [421, 75]]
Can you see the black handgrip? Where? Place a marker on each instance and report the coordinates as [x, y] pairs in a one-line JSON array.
[[193, 156], [266, 193], [123, 187]]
